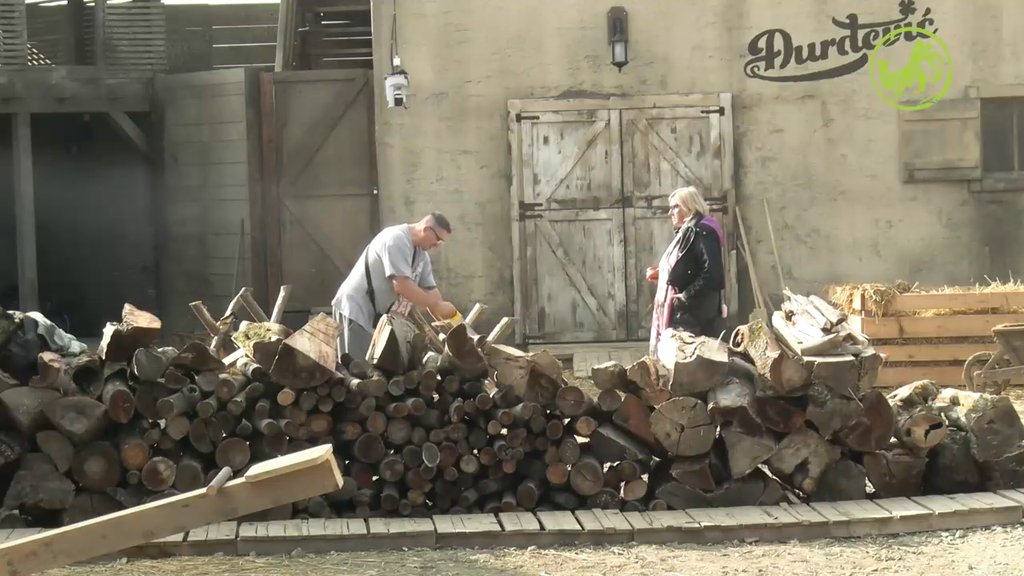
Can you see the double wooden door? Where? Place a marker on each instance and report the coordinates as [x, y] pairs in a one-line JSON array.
[[590, 189]]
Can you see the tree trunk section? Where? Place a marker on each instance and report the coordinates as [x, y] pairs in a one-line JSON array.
[[79, 418], [158, 474], [782, 374], [898, 472], [695, 365], [873, 429], [97, 466], [683, 427]]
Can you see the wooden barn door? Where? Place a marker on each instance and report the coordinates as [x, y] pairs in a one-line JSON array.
[[320, 179], [572, 229], [590, 186], [663, 149]]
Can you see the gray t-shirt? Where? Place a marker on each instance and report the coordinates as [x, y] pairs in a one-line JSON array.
[[390, 254]]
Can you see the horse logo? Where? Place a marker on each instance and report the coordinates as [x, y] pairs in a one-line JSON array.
[[919, 83]]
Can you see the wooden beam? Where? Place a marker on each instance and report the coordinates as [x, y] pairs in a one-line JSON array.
[[99, 33], [272, 483], [285, 35], [130, 130], [25, 214]]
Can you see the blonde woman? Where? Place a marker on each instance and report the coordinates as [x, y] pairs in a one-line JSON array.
[[690, 277]]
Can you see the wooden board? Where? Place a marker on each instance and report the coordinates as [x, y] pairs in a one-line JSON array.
[[944, 376], [212, 539], [467, 530], [954, 301], [893, 327], [604, 526], [970, 510], [855, 518], [931, 352], [662, 527], [138, 525], [520, 529], [315, 535], [403, 532]]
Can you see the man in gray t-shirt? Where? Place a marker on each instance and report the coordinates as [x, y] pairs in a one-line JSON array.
[[398, 266]]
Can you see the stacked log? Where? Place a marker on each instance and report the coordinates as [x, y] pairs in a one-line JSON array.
[[445, 420]]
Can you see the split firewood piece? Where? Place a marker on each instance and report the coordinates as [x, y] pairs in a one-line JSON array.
[[644, 381], [806, 452], [308, 357], [898, 472], [118, 397], [57, 447], [870, 363], [24, 407], [951, 467], [137, 329], [97, 466], [874, 428], [635, 416], [733, 403], [572, 401], [746, 449], [609, 376], [838, 372], [610, 444], [782, 373], [831, 412], [919, 424], [833, 316], [89, 505], [683, 427], [158, 474], [802, 343], [466, 359], [277, 313], [79, 418], [844, 480], [150, 363], [86, 372], [587, 475], [37, 485], [499, 331], [196, 358], [53, 374], [695, 364], [780, 414], [697, 472]]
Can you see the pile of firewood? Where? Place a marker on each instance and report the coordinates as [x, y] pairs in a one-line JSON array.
[[440, 419]]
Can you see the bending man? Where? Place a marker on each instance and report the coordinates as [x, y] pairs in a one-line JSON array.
[[392, 275]]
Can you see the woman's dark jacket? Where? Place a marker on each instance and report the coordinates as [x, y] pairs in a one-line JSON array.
[[698, 274]]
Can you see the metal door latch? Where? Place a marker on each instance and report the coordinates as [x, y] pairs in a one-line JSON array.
[[720, 110]]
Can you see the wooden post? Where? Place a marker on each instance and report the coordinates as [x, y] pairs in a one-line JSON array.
[[99, 33], [285, 36], [25, 213]]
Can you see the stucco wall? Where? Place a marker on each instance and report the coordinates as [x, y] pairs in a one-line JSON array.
[[824, 153]]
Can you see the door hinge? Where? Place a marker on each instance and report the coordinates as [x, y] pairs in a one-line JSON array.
[[520, 117], [527, 210], [720, 110]]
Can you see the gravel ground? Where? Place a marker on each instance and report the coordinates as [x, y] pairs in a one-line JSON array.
[[988, 551]]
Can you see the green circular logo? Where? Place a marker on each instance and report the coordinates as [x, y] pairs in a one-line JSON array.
[[919, 83]]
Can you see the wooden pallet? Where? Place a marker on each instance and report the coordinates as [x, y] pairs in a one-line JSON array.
[[905, 338], [522, 529]]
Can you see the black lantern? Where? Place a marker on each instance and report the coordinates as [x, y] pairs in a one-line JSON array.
[[618, 36]]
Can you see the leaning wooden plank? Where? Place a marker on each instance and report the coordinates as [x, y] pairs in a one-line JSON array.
[[275, 482]]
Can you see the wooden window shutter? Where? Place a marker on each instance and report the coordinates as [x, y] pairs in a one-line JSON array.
[[941, 143]]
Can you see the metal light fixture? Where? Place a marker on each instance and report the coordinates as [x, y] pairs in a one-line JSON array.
[[618, 36]]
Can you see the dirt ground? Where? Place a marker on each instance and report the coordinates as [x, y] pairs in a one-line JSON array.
[[988, 551]]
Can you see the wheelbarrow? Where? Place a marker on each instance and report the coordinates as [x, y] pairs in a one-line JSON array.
[[991, 372]]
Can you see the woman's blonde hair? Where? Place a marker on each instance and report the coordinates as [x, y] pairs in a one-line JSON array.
[[689, 198]]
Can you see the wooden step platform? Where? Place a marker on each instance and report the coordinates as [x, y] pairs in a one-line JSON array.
[[521, 529]]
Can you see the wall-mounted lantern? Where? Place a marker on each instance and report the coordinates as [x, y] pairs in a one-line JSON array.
[[618, 36]]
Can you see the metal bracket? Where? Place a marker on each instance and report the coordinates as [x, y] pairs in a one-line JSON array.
[[520, 117], [720, 110]]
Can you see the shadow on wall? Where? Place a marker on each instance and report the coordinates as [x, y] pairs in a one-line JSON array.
[[94, 226]]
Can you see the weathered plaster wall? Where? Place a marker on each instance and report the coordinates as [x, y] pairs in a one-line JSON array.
[[824, 153], [94, 233]]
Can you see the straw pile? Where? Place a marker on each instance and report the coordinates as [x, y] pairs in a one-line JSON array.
[[877, 297]]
